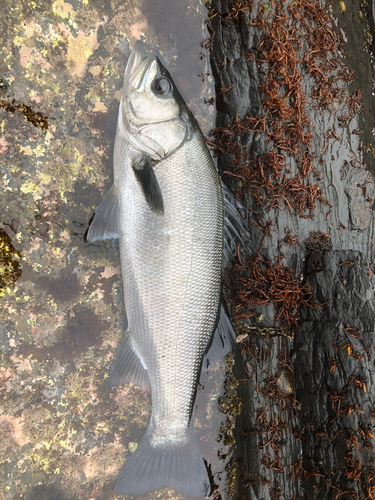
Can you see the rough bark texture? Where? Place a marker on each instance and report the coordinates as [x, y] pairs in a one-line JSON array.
[[306, 429]]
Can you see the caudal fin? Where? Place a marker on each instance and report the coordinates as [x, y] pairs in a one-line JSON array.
[[178, 467]]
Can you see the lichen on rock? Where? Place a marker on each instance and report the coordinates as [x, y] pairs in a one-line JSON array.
[[10, 269], [63, 433]]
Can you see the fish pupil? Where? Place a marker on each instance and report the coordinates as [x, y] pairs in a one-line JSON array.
[[162, 86]]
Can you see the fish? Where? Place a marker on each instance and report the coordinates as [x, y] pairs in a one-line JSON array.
[[178, 227]]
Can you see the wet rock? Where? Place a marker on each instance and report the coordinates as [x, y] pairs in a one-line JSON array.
[[259, 319], [318, 241], [266, 447], [34, 117], [305, 429], [360, 191], [132, 446], [333, 379], [10, 267], [285, 382], [63, 434]]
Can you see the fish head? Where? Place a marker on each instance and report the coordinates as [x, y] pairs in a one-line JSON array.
[[153, 117]]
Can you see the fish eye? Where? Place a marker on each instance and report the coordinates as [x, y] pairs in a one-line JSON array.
[[161, 86]]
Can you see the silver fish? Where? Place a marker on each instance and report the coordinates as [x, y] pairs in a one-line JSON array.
[[170, 213]]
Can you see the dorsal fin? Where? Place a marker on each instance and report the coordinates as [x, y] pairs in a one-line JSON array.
[[223, 340], [235, 230]]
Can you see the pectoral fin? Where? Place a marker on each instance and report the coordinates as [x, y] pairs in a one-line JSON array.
[[105, 223], [148, 182]]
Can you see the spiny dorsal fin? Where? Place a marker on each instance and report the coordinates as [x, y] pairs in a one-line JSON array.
[[235, 230], [148, 182], [105, 223]]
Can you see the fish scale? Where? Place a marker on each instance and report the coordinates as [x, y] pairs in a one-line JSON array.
[[170, 213], [176, 259]]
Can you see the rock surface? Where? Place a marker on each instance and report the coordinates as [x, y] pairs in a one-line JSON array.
[[316, 442], [63, 434]]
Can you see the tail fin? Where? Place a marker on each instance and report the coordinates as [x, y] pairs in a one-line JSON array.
[[176, 466]]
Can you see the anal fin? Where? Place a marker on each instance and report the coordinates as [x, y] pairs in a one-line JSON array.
[[128, 367]]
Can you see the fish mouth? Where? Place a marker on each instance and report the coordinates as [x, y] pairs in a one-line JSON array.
[[138, 67], [134, 122], [135, 78]]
